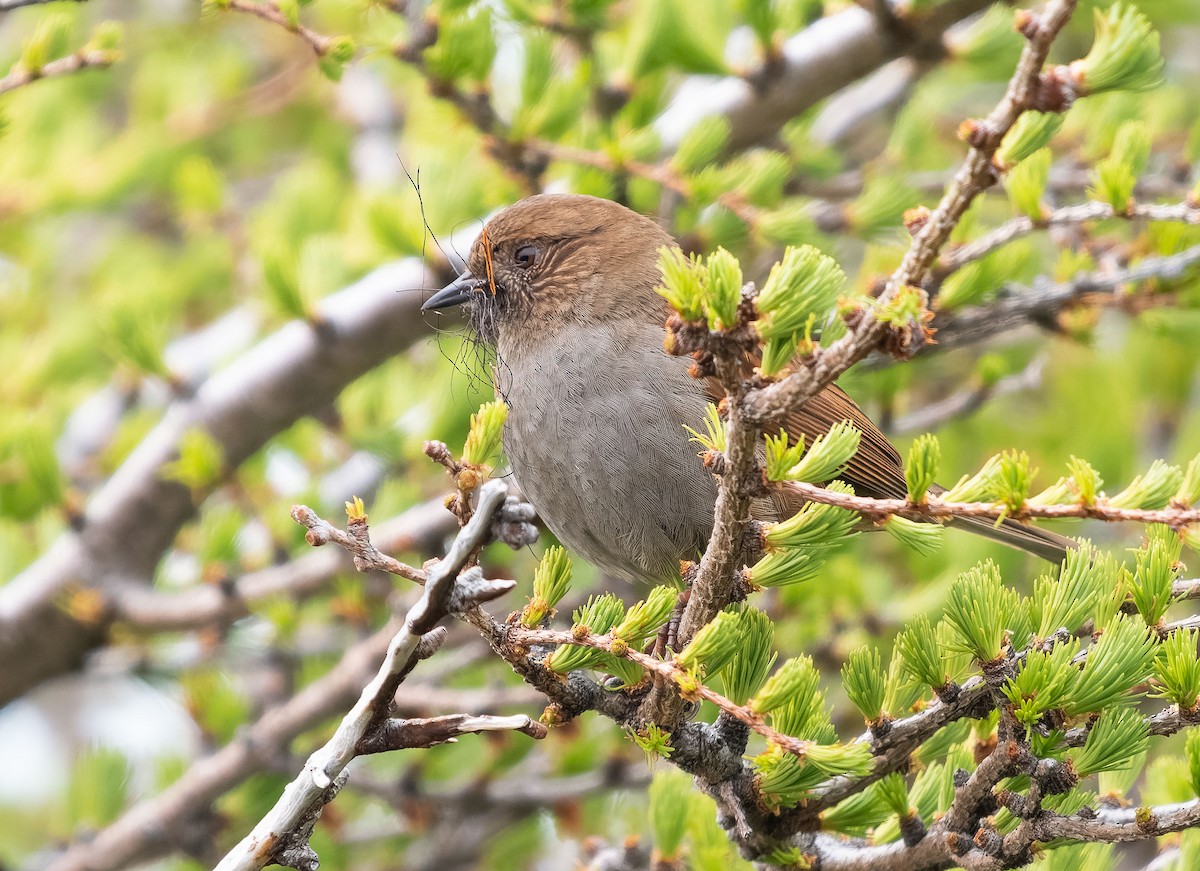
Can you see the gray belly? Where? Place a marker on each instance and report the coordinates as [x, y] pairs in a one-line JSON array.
[[599, 449]]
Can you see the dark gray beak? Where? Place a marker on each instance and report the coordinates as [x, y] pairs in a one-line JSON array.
[[455, 293]]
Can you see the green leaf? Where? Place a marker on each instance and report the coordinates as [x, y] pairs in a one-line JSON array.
[[1032, 132], [551, 580], [1178, 670], [1043, 683], [1026, 183], [1153, 490], [1152, 583], [1124, 56], [981, 610], [714, 646], [828, 455], [1115, 177], [919, 654], [487, 430], [465, 47], [799, 293], [643, 620], [920, 471], [98, 789], [980, 487], [920, 537], [713, 437], [702, 145], [865, 683], [723, 290], [1192, 745], [816, 525], [682, 282], [1068, 601], [670, 801], [781, 456], [201, 461], [794, 683], [752, 661], [1115, 738], [596, 617], [1122, 658]]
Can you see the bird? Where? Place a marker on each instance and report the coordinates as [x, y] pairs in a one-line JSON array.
[[562, 287]]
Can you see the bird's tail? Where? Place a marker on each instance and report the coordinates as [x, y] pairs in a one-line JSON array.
[[1048, 545]]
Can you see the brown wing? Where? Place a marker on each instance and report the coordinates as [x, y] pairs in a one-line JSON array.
[[876, 470]]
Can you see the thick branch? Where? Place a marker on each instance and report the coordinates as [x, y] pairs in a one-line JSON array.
[[134, 517], [822, 59]]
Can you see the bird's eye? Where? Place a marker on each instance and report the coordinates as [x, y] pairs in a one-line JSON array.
[[526, 256]]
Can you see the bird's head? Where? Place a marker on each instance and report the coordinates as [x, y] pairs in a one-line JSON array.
[[558, 259]]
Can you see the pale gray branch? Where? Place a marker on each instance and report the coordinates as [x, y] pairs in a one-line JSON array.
[[133, 518]]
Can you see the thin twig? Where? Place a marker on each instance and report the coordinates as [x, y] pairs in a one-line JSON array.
[[446, 591], [319, 43], [952, 261], [936, 508], [81, 60], [967, 401]]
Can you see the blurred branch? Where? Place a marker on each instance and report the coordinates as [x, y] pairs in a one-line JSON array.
[[974, 176], [817, 62], [1019, 306], [969, 400], [134, 517], [271, 12], [9, 5], [63, 66], [952, 261], [659, 173], [148, 610], [156, 826]]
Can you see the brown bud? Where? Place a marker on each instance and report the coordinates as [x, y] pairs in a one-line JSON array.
[[1027, 23], [973, 132], [915, 219]]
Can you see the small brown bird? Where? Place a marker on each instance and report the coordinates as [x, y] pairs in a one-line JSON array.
[[563, 286]]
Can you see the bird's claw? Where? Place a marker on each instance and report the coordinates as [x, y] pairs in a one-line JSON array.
[[514, 525]]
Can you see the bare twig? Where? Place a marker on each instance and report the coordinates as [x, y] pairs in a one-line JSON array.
[[9, 5], [270, 12], [146, 610], [81, 60], [968, 400], [952, 261], [446, 591]]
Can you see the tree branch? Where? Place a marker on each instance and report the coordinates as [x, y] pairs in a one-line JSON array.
[[952, 261], [975, 176], [134, 517], [63, 66], [446, 591]]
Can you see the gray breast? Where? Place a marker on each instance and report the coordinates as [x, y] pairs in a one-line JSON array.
[[597, 444]]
